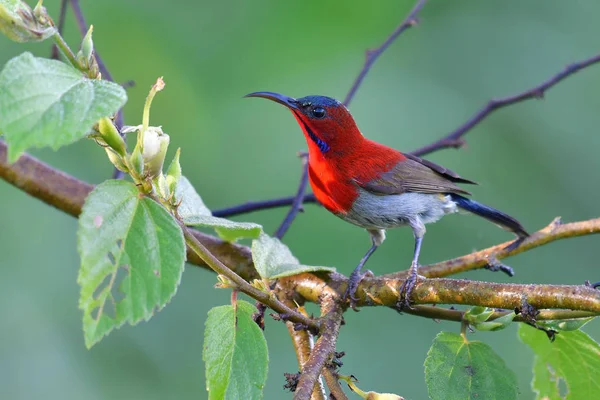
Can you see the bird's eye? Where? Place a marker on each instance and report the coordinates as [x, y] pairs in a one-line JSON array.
[[318, 112]]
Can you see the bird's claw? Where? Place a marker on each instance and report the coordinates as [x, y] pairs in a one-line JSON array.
[[353, 282], [406, 289]]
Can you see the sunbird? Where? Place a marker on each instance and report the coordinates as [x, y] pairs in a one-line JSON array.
[[375, 186]]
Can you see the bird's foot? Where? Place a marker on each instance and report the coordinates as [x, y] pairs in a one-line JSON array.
[[353, 282], [407, 287]]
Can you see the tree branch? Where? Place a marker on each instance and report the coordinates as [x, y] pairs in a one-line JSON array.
[[383, 291], [454, 139], [55, 54], [240, 284], [321, 354], [303, 344], [372, 55], [252, 206], [297, 202], [440, 313], [554, 231], [68, 194]]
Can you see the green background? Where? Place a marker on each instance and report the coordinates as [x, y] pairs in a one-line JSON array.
[[534, 161]]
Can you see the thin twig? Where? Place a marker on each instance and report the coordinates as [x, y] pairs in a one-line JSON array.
[[267, 299], [371, 57], [333, 384], [252, 206], [454, 139], [297, 203], [554, 231], [60, 27], [441, 313], [83, 28]]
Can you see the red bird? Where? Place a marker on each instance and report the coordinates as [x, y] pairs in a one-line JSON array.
[[376, 187]]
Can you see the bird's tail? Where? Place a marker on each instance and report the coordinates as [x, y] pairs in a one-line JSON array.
[[504, 221]]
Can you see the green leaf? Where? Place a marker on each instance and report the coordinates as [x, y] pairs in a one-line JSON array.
[[226, 229], [132, 257], [571, 361], [565, 324], [48, 103], [235, 353], [497, 324], [273, 259], [458, 369], [194, 212]]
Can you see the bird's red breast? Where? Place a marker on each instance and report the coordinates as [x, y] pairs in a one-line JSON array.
[[334, 176]]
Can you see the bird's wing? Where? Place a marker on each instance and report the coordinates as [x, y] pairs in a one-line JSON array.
[[416, 175]]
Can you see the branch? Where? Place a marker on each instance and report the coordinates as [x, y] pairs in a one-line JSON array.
[[439, 313], [371, 57], [252, 206], [60, 27], [325, 346], [303, 344], [297, 202], [454, 139], [554, 231], [331, 379], [66, 193], [383, 291], [240, 284]]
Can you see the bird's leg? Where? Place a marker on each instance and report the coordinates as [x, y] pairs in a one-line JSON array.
[[409, 284], [356, 276]]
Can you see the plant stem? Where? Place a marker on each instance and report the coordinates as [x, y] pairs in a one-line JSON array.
[[68, 53], [265, 298]]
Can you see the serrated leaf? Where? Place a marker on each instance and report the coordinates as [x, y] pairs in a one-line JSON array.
[[194, 212], [132, 257], [48, 103], [226, 229], [573, 359], [235, 353], [273, 259], [458, 369], [191, 204]]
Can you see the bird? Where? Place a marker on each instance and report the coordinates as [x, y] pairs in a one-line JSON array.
[[376, 187]]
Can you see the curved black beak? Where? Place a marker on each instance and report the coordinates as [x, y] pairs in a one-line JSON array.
[[289, 102]]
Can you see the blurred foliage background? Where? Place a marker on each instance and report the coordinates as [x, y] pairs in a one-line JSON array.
[[534, 160]]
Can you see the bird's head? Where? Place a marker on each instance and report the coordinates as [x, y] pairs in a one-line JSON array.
[[327, 124]]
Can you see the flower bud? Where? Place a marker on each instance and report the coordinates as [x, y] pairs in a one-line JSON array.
[[383, 396], [174, 172], [136, 162], [22, 24], [154, 150], [116, 160], [87, 46], [111, 136]]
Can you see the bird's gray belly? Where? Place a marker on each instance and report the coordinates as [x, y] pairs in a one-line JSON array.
[[390, 211]]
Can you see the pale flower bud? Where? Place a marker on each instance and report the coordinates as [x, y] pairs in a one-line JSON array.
[[154, 150]]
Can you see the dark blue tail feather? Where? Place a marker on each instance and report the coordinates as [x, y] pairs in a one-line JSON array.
[[505, 221]]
